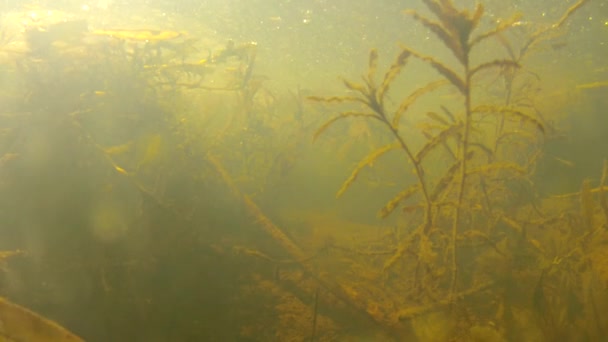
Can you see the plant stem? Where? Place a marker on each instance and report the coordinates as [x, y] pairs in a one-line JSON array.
[[463, 172], [419, 173], [379, 109]]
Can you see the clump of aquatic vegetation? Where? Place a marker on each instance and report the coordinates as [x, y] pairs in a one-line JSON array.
[[467, 250], [154, 151]]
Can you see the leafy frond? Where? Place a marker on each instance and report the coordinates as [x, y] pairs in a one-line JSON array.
[[502, 40], [498, 63], [403, 107], [448, 113], [436, 117], [438, 139], [520, 135], [516, 226], [360, 88], [392, 72], [540, 34], [402, 196], [336, 99], [443, 69], [569, 12], [368, 160], [501, 27], [343, 115], [372, 67], [442, 33], [454, 27], [511, 112], [498, 166], [404, 245], [485, 149], [448, 177]]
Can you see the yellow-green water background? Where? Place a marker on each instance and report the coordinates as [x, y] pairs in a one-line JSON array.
[[130, 233]]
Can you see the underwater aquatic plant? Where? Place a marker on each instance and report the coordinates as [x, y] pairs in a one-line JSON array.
[[469, 200], [455, 29]]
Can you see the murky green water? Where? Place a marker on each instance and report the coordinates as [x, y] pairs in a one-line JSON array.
[[172, 172]]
